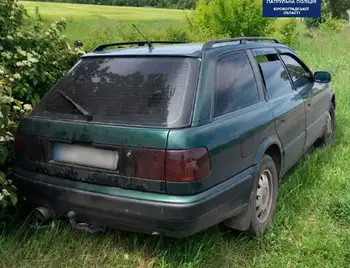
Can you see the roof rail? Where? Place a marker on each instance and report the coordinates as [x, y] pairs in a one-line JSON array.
[[211, 43], [139, 43]]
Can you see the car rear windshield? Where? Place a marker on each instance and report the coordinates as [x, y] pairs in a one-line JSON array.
[[138, 91]]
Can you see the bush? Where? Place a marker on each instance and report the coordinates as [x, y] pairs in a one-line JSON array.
[[228, 18], [177, 34], [289, 32], [32, 57], [331, 24], [11, 111]]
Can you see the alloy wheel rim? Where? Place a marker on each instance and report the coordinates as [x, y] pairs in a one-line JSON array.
[[264, 196]]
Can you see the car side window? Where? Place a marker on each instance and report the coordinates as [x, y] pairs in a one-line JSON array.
[[275, 76], [301, 77], [236, 87]]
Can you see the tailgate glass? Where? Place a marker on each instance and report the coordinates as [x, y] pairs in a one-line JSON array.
[[135, 91]]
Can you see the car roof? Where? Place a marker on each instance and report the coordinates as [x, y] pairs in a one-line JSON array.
[[185, 49]]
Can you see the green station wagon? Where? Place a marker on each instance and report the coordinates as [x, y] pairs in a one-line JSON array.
[[169, 139]]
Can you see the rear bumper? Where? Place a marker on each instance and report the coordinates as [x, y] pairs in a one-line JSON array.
[[174, 219]]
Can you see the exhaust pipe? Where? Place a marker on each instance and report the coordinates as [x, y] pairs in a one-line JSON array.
[[83, 226], [43, 213], [156, 234]]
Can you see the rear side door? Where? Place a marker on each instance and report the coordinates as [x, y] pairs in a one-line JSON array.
[[315, 95], [286, 103]]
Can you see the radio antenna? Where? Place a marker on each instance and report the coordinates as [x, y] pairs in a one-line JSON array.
[[148, 42]]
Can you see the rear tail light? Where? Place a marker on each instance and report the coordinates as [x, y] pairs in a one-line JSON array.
[[149, 164], [187, 165], [171, 165]]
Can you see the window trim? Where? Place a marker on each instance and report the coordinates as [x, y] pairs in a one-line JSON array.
[[257, 75], [286, 51], [216, 80], [303, 65], [262, 75]]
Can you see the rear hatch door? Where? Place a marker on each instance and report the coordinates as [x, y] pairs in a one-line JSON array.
[[133, 103]]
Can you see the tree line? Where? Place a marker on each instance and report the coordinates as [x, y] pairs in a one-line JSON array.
[[178, 4]]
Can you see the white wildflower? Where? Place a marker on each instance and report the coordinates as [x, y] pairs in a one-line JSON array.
[[27, 107], [5, 192]]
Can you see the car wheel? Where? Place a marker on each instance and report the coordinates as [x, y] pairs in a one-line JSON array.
[[328, 137], [264, 197]]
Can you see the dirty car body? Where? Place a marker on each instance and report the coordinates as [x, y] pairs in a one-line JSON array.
[[176, 135]]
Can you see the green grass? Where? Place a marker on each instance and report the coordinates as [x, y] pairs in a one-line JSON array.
[[53, 11], [96, 24], [312, 223]]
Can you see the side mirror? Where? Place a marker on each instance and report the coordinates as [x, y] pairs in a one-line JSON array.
[[322, 77]]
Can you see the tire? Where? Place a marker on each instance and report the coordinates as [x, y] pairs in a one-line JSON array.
[[328, 137], [263, 201]]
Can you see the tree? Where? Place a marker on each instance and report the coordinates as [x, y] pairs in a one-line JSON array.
[[338, 8], [180, 4], [229, 18]]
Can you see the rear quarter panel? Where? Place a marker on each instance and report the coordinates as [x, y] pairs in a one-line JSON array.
[[235, 142]]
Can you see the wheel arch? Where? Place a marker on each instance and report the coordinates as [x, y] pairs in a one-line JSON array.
[[273, 147], [333, 100]]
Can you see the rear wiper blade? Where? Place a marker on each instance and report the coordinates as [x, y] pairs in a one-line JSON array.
[[87, 115]]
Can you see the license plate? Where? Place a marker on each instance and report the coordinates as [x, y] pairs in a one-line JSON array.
[[86, 156]]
